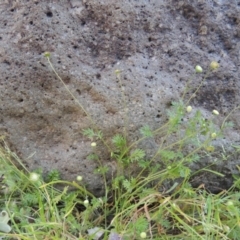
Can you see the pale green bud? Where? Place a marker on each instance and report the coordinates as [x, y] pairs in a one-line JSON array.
[[117, 71], [230, 203], [93, 144], [213, 135], [86, 203], [198, 69], [143, 235], [79, 178], [215, 112], [189, 109], [34, 177]]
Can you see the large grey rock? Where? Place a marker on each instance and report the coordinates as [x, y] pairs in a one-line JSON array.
[[155, 44]]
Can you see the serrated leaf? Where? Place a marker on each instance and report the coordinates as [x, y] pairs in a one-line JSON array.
[[146, 131], [137, 155], [184, 171], [119, 141], [92, 156], [144, 163], [59, 197], [89, 133], [126, 184], [141, 224], [169, 155]]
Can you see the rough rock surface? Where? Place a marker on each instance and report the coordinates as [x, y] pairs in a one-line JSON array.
[[155, 43]]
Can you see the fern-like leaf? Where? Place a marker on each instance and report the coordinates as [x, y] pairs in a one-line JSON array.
[[119, 141], [146, 131], [137, 155]]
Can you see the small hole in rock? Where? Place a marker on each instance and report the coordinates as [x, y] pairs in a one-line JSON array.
[[49, 14], [98, 75]]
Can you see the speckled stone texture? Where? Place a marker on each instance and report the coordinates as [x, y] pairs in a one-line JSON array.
[[155, 44]]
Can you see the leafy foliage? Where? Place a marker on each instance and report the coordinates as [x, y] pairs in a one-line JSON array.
[[148, 195]]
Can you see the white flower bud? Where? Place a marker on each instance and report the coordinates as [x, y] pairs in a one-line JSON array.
[[93, 144]]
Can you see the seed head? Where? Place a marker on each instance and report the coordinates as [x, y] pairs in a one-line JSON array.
[[210, 148], [213, 135], [214, 65]]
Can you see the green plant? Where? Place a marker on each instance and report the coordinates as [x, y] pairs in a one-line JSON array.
[[147, 198]]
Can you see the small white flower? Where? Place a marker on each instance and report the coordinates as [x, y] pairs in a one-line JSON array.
[[93, 144], [34, 177], [79, 178], [198, 69], [143, 235], [215, 112], [189, 109]]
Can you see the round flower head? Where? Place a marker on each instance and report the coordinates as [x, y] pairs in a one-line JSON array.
[[34, 177], [47, 54], [214, 65], [143, 235], [189, 109], [93, 144], [198, 69], [79, 178], [86, 202], [213, 135], [210, 148]]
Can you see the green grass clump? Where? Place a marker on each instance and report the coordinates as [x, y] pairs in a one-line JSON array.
[[146, 198]]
